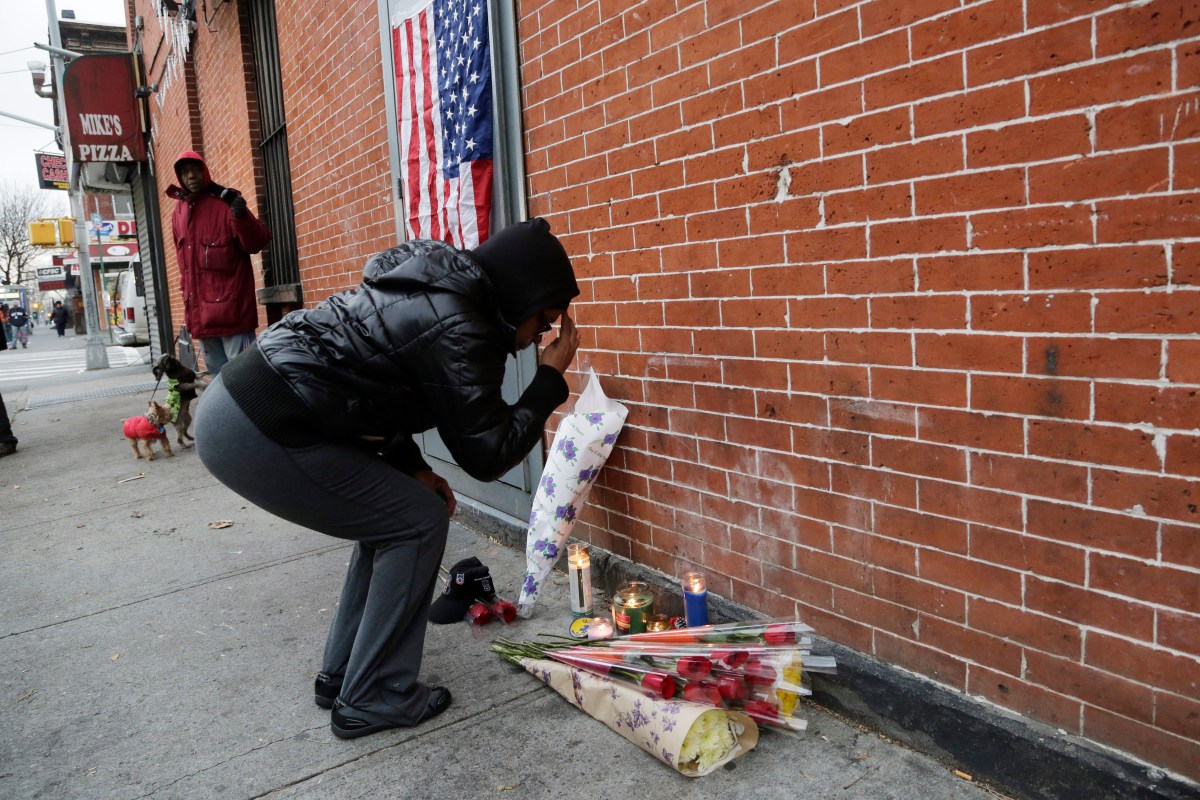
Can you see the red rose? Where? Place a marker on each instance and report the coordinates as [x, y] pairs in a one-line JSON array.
[[505, 610], [732, 658], [702, 692], [762, 711], [780, 634], [662, 685], [479, 614], [693, 667], [732, 688], [759, 674]]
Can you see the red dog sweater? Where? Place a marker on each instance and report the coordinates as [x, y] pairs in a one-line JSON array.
[[140, 428]]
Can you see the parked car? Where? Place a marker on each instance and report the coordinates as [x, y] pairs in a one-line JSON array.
[[131, 294]]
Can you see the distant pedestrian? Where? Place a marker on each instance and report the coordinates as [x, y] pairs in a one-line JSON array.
[[8, 442], [18, 318], [215, 233], [60, 317], [8, 331]]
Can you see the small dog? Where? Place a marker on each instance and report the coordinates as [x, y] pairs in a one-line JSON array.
[[186, 386], [147, 429]]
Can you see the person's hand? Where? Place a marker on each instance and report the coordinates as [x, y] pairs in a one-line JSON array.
[[561, 351], [438, 485], [238, 206]]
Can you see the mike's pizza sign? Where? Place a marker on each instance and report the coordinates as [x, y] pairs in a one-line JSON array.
[[102, 111]]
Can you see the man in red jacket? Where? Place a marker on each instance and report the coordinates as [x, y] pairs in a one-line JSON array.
[[215, 234]]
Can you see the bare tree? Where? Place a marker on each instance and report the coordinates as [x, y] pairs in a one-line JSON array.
[[20, 204]]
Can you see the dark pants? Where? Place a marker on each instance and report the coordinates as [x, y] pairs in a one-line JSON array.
[[378, 632], [6, 434]]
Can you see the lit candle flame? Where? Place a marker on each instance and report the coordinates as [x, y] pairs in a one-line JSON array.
[[694, 582]]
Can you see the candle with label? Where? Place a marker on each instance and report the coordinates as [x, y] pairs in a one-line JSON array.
[[695, 598], [632, 604], [579, 565]]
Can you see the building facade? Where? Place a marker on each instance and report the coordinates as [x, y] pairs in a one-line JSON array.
[[902, 297]]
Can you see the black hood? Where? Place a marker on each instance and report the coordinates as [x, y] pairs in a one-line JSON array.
[[529, 269]]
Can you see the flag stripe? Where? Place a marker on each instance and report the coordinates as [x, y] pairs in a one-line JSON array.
[[443, 79]]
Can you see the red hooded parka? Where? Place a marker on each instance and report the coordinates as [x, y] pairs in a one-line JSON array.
[[212, 248]]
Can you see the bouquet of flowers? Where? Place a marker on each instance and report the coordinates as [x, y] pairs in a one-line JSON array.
[[759, 669], [692, 738], [582, 444]]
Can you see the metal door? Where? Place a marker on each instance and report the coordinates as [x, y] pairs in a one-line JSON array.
[[511, 495]]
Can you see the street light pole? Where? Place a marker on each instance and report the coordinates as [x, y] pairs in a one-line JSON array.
[[96, 356]]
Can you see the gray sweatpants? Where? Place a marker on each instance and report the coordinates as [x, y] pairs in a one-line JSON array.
[[378, 633]]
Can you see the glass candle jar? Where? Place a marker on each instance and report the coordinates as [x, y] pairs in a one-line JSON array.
[[600, 628], [579, 567], [695, 598], [632, 604], [658, 622]]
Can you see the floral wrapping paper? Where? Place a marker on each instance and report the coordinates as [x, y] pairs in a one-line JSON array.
[[582, 444], [656, 726]]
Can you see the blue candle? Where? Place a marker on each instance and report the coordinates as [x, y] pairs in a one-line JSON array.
[[695, 599]]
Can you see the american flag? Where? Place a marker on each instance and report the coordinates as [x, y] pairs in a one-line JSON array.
[[444, 104]]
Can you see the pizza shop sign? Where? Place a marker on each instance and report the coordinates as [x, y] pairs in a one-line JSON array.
[[102, 111]]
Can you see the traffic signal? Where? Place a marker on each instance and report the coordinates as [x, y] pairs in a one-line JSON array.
[[43, 233], [52, 232], [66, 231]]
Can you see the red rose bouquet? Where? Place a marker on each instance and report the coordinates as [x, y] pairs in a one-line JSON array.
[[760, 668]]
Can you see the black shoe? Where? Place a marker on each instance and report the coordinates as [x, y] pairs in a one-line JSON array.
[[7, 448], [350, 723], [326, 688]]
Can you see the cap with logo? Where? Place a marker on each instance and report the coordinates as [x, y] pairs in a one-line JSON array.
[[469, 581]]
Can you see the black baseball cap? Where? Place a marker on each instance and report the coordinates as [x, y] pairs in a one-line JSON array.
[[469, 581]]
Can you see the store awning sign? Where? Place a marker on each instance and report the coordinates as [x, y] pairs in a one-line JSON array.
[[102, 112], [52, 171]]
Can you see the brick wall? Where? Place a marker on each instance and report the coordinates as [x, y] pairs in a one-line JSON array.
[[903, 298], [337, 139], [207, 104]]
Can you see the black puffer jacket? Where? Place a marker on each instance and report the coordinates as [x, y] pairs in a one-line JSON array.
[[420, 344]]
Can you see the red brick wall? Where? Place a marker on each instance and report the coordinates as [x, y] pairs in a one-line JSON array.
[[207, 106], [333, 96], [903, 298], [337, 138]]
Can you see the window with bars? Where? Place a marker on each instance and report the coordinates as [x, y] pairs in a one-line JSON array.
[[280, 263]]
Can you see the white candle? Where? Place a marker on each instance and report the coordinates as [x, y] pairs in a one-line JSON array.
[[579, 566], [601, 628]]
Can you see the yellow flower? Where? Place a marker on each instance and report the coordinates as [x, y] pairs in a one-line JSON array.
[[709, 740]]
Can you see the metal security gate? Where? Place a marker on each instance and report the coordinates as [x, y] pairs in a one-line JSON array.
[[280, 262]]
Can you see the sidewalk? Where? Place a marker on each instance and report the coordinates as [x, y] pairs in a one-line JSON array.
[[149, 655]]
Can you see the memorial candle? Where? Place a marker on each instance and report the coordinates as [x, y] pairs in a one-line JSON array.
[[579, 565], [695, 598], [632, 604]]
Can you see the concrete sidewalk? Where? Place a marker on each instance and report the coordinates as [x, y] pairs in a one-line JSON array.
[[148, 654]]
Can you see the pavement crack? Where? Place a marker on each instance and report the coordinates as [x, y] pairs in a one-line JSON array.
[[220, 764], [42, 523], [518, 699], [187, 587]]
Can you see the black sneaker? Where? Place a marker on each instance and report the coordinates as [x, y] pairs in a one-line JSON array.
[[7, 448], [350, 723], [326, 689]]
